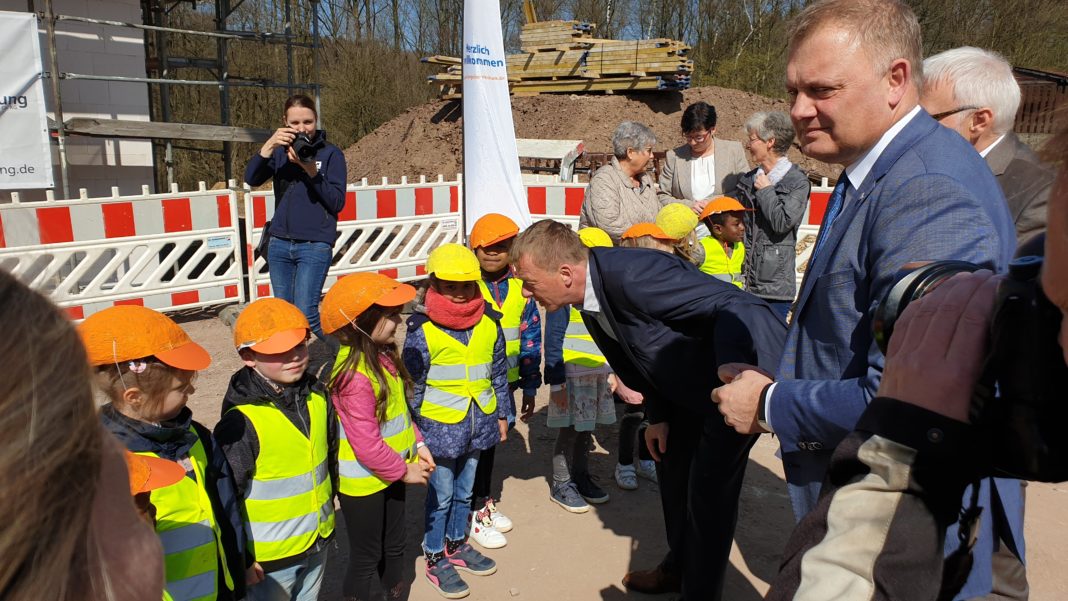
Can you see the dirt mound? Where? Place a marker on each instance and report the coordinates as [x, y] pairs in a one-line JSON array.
[[426, 140]]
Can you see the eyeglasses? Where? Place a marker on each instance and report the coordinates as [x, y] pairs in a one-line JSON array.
[[697, 138], [944, 114]]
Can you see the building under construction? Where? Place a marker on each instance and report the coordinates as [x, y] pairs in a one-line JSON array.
[[111, 74]]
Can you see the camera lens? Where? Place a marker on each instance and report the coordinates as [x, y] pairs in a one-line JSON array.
[[913, 281]]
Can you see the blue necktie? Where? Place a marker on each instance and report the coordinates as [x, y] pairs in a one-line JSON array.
[[834, 207]]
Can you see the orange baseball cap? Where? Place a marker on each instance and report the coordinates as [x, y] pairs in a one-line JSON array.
[[353, 294], [269, 326], [128, 332], [492, 228], [646, 229], [722, 204], [148, 473]]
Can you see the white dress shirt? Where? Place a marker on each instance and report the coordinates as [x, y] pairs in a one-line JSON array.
[[591, 305], [703, 177], [987, 150]]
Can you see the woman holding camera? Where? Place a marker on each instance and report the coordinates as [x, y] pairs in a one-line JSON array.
[[309, 189]]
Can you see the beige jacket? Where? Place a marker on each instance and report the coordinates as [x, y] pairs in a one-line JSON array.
[[675, 175], [614, 204]]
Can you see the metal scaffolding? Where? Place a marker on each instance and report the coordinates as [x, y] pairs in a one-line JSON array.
[[162, 67]]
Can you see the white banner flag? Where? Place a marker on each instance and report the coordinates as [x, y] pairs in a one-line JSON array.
[[26, 161], [492, 183]]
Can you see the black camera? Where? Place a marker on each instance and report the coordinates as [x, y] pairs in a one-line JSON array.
[[306, 147], [1020, 404]]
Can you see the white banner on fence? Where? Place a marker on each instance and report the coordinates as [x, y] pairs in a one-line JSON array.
[[492, 183], [26, 162]]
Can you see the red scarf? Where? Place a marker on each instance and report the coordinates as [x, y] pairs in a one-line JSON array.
[[455, 316]]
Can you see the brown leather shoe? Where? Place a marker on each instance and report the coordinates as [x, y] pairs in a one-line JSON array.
[[653, 582]]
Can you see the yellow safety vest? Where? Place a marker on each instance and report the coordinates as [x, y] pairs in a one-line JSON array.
[[579, 347], [721, 267], [459, 373], [397, 432], [290, 501], [512, 311], [189, 533]]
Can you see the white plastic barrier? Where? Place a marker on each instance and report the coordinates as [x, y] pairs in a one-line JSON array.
[[388, 228], [164, 251], [391, 228], [180, 250]]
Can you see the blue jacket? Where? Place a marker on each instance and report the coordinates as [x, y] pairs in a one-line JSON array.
[[673, 326], [306, 208], [529, 334], [477, 431], [929, 196]]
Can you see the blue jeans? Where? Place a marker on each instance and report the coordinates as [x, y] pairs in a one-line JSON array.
[[300, 582], [298, 272], [448, 500]]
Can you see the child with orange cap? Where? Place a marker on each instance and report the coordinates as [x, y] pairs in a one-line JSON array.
[[146, 364], [279, 433], [381, 450], [491, 239], [455, 353], [724, 251]]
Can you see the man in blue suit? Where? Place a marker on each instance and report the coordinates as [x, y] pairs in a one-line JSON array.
[[665, 327], [911, 190]]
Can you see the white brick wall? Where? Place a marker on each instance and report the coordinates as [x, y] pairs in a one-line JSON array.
[[97, 164]]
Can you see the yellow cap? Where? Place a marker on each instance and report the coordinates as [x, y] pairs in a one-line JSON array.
[[595, 236], [453, 262], [677, 220]]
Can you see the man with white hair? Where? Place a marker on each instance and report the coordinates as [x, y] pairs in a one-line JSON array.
[[973, 92]]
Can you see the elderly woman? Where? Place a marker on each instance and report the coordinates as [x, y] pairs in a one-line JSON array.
[[703, 167], [778, 191], [622, 193]]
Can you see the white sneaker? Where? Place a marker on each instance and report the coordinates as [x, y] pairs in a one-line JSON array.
[[647, 469], [498, 519], [483, 532], [625, 477]]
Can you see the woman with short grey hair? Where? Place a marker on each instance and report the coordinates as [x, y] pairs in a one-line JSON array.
[[623, 193], [778, 191], [631, 135]]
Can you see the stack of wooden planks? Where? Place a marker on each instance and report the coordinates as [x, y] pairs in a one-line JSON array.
[[553, 34], [563, 57]]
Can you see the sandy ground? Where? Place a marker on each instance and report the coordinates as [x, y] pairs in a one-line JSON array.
[[552, 554]]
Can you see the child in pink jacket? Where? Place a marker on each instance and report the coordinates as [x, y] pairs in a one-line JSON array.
[[380, 448]]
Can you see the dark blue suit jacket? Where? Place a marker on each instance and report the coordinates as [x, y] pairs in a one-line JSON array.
[[673, 326], [929, 196]]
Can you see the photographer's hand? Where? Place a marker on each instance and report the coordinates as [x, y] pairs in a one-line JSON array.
[[310, 168], [936, 351], [281, 138]]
